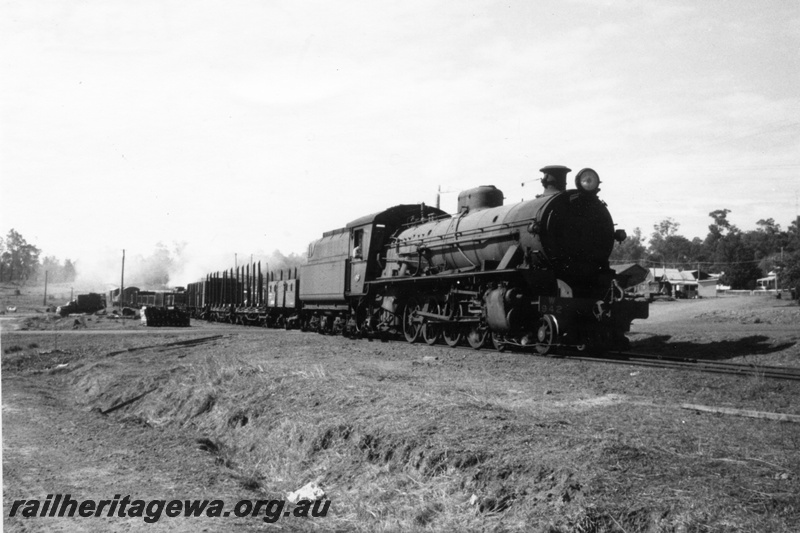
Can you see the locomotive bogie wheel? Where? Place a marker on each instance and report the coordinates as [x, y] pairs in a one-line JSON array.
[[412, 328], [432, 331], [546, 335], [453, 333], [477, 337]]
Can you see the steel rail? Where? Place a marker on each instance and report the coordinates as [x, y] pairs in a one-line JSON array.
[[716, 367], [711, 363]]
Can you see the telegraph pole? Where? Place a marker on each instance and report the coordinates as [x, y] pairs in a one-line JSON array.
[[44, 302], [122, 280]]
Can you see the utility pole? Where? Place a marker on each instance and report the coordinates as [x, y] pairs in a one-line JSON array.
[[122, 280], [44, 302]]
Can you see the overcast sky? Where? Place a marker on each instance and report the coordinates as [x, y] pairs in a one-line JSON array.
[[249, 126]]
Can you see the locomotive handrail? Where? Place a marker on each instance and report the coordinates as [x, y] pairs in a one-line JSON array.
[[422, 240], [447, 243], [429, 218]]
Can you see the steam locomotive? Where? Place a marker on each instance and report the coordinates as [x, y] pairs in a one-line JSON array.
[[533, 274]]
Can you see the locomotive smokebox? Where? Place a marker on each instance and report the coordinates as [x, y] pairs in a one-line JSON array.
[[482, 197], [555, 178]]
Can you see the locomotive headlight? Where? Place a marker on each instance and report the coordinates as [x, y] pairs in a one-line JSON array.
[[587, 180]]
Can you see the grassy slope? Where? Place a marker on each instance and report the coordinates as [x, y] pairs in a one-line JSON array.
[[402, 436]]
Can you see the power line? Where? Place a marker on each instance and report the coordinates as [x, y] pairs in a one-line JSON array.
[[690, 262]]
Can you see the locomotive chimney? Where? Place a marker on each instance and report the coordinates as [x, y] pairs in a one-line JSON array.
[[554, 179]]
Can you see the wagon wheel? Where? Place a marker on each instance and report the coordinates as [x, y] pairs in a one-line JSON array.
[[497, 342], [546, 334], [432, 331], [477, 336], [453, 333], [412, 327]]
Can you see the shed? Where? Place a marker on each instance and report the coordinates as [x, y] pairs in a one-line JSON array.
[[707, 288], [633, 277]]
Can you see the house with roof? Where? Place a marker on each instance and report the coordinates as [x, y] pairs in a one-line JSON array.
[[673, 282], [770, 283], [683, 283]]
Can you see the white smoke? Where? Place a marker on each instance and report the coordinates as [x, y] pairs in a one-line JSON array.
[[168, 266]]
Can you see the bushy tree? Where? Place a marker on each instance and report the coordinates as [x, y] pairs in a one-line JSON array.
[[56, 272], [793, 236], [19, 260], [668, 248], [789, 271], [69, 270], [738, 263]]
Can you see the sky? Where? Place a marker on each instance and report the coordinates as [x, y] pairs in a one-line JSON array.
[[243, 127]]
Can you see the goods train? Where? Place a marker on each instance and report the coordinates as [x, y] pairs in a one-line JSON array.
[[534, 274]]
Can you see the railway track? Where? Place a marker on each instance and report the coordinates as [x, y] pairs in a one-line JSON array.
[[698, 365], [675, 363]]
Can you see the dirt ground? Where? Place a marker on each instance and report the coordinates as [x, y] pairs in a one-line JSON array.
[[402, 437]]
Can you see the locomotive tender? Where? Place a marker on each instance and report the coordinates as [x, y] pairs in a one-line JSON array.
[[533, 274]]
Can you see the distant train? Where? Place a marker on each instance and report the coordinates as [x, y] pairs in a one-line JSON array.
[[157, 307], [533, 274], [136, 298]]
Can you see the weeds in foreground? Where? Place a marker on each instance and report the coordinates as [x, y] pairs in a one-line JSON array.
[[402, 456]]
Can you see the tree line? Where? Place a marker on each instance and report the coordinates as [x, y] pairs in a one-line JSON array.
[[741, 257], [19, 262]]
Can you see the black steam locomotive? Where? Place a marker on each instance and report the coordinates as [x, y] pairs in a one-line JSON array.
[[533, 274]]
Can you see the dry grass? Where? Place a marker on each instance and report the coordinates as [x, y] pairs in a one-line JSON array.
[[398, 457]]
